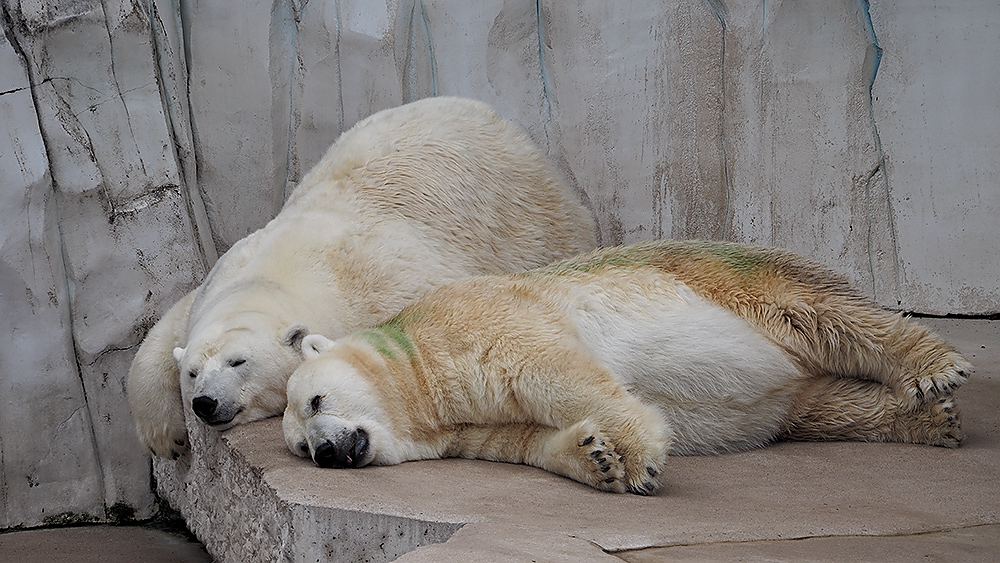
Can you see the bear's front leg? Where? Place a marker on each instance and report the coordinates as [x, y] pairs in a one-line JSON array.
[[571, 390], [579, 452], [153, 385]]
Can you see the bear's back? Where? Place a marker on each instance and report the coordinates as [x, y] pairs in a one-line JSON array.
[[466, 187], [474, 180]]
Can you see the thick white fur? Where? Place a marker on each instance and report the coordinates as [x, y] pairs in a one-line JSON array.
[[597, 367], [409, 198], [721, 384]]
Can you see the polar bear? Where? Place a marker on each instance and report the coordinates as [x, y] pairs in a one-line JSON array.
[[409, 198], [597, 367]]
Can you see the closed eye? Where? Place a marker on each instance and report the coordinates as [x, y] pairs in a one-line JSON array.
[[237, 362], [315, 403]]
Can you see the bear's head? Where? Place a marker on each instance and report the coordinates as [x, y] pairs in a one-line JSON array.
[[334, 415], [236, 373]]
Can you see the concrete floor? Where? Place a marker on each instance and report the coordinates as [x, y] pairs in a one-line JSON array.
[[808, 502], [107, 544]]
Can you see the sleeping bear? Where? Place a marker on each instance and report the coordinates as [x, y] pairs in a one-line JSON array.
[[598, 367]]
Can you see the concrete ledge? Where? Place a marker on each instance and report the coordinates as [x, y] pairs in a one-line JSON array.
[[242, 494], [247, 498]]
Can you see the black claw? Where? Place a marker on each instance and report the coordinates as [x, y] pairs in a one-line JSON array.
[[179, 442], [609, 480], [645, 489], [587, 440], [651, 471], [602, 460], [596, 454], [605, 469], [174, 455]]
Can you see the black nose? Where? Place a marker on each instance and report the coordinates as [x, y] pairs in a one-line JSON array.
[[326, 455], [347, 453], [204, 407]]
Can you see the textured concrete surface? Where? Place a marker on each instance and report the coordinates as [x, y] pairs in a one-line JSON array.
[[100, 544], [977, 544], [245, 496]]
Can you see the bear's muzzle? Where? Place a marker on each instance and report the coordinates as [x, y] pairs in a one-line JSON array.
[[348, 451]]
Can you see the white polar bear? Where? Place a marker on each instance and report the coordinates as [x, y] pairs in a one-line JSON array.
[[409, 198], [596, 368]]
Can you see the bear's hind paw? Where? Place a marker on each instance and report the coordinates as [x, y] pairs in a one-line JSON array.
[[929, 388], [946, 424]]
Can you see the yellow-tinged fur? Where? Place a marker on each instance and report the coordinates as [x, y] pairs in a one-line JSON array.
[[597, 367]]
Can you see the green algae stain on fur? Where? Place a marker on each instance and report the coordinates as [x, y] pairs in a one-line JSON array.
[[668, 254], [390, 337], [736, 257], [395, 333], [643, 254], [377, 340]]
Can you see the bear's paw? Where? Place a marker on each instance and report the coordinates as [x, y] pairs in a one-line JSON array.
[[937, 382]]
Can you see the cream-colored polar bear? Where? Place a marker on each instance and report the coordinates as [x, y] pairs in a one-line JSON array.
[[596, 367], [409, 198]]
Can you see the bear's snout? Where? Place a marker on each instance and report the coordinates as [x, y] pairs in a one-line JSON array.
[[214, 412], [204, 406], [348, 452]]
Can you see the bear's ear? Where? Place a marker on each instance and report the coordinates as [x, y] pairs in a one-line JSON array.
[[314, 345], [178, 354], [294, 335]]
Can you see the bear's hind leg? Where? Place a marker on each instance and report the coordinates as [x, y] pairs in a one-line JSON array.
[[866, 342], [854, 338], [831, 408]]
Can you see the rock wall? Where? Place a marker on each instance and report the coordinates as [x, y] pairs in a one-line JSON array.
[[139, 140]]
